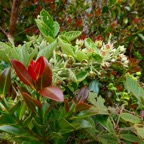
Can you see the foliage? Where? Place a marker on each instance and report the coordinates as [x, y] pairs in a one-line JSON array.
[[56, 88]]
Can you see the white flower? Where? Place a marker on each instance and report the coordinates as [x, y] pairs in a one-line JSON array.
[[121, 48], [79, 42]]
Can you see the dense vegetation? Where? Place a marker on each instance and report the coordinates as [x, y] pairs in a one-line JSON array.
[[72, 73]]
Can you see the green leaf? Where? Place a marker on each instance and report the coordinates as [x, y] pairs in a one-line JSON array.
[[81, 76], [130, 118], [64, 124], [67, 48], [15, 130], [47, 19], [98, 104], [105, 122], [7, 52], [97, 57], [108, 139], [27, 53], [15, 107], [71, 35], [94, 86], [5, 82], [56, 28], [132, 85], [140, 130], [80, 56], [6, 119], [130, 137], [85, 114], [48, 50], [112, 2], [45, 30], [90, 44]]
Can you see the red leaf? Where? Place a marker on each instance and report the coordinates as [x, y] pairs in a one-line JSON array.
[[52, 92], [36, 69], [32, 72], [31, 102], [46, 79], [67, 108], [82, 106], [83, 94], [22, 72]]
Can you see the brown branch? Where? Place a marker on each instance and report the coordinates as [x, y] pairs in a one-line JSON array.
[[13, 17], [3, 31]]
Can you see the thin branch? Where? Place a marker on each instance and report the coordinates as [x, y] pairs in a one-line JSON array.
[[3, 31], [13, 17]]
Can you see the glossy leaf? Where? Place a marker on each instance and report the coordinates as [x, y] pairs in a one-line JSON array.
[[130, 118], [22, 72], [82, 106], [15, 130], [46, 79], [31, 102], [82, 94], [52, 92], [36, 68], [94, 86], [81, 76], [5, 82]]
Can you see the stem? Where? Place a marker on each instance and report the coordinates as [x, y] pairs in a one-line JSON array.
[[19, 122], [53, 103]]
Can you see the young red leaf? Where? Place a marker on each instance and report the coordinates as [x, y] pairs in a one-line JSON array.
[[82, 106], [36, 69], [5, 82], [31, 102], [82, 94], [22, 72], [66, 104], [52, 92], [46, 79]]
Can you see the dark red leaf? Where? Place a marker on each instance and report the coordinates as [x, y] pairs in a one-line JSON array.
[[40, 66], [82, 106], [66, 105], [82, 94], [31, 102], [46, 79], [22, 72], [52, 92]]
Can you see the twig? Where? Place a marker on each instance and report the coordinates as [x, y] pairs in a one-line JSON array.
[[3, 31], [13, 17]]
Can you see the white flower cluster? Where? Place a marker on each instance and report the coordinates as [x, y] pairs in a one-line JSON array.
[[111, 54]]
